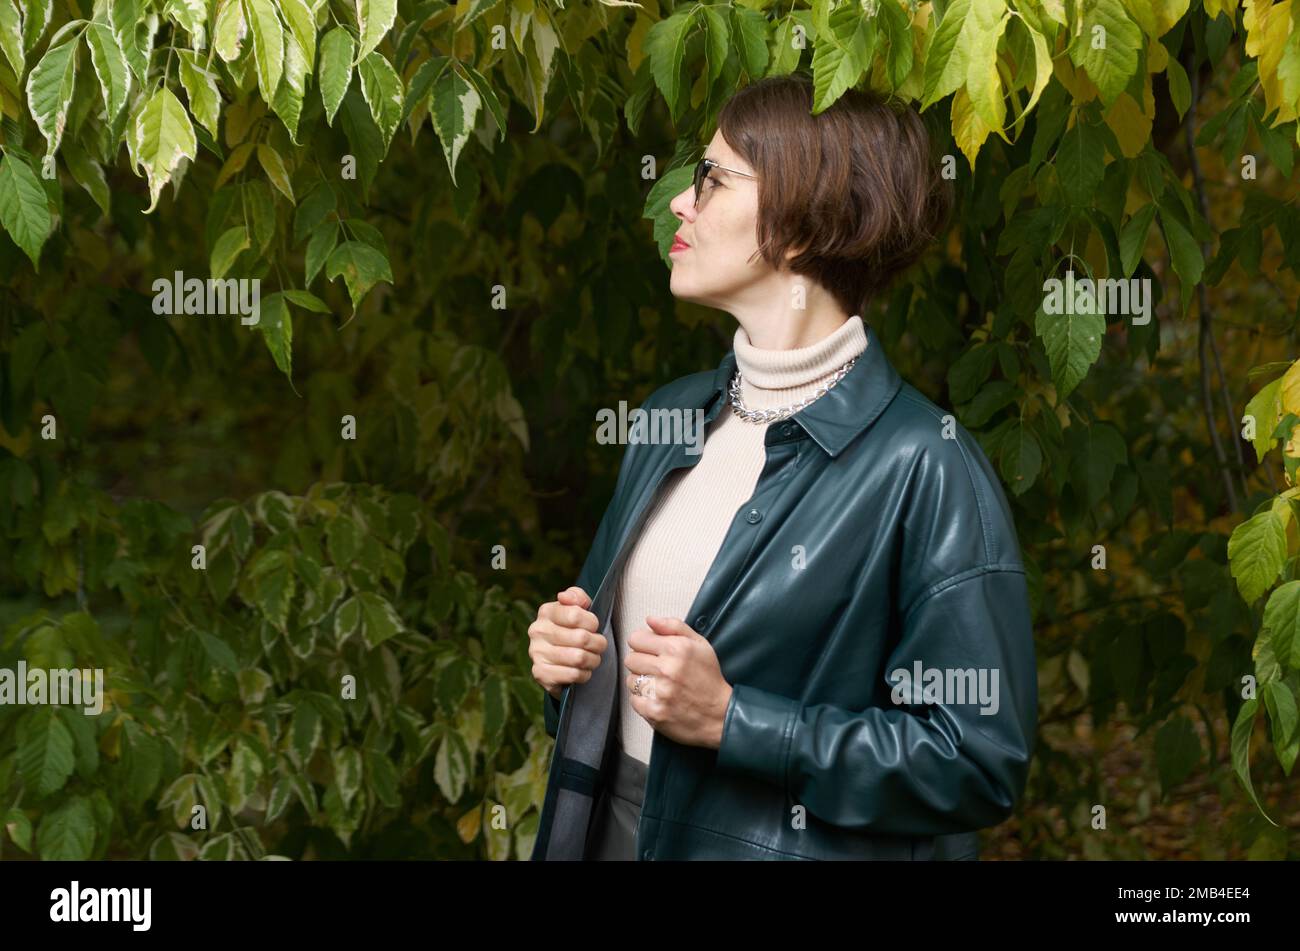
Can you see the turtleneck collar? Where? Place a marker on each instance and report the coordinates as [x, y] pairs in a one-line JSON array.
[[775, 378]]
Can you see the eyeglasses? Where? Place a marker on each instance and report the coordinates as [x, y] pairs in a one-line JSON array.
[[702, 170]]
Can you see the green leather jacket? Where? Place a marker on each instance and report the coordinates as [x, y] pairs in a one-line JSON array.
[[878, 538]]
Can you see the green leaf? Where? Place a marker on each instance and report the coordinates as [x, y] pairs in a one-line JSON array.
[[347, 772], [344, 540], [323, 239], [451, 767], [896, 25], [841, 63], [378, 618], [277, 329], [1133, 237], [305, 731], [717, 40], [658, 207], [946, 64], [301, 18], [374, 19], [245, 773], [230, 31], [142, 763], [750, 30], [182, 796], [24, 211], [274, 585], [337, 50], [1113, 65], [1184, 254], [18, 825], [11, 37], [45, 751], [1242, 728], [1264, 408], [110, 67], [67, 833], [268, 44], [287, 101], [347, 620], [163, 136], [665, 46], [383, 778], [1072, 340], [49, 91], [1282, 611], [1022, 459], [455, 110], [1281, 705], [382, 89], [1080, 164], [308, 300], [275, 169], [1257, 550], [360, 266], [201, 89], [219, 652], [227, 249]]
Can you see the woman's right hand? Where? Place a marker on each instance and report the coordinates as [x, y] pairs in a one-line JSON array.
[[565, 642]]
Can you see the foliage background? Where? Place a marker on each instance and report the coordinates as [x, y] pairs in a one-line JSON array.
[[446, 204]]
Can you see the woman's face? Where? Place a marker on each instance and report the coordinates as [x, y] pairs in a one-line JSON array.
[[715, 267]]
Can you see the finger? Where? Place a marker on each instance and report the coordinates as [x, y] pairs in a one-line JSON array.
[[573, 616], [575, 595], [560, 676], [557, 635], [639, 663], [647, 642], [569, 615], [667, 625]]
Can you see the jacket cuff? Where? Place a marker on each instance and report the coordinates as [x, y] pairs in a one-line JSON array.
[[756, 733]]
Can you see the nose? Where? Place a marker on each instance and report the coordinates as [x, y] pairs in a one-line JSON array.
[[683, 204]]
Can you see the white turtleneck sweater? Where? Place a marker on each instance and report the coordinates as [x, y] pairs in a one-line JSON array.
[[695, 506]]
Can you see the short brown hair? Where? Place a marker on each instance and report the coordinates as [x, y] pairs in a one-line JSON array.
[[855, 187]]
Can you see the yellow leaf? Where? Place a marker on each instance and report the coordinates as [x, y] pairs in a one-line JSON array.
[[1056, 10], [1132, 127], [1157, 57], [968, 130], [1168, 13], [1214, 7], [1075, 81], [635, 37], [984, 28], [1042, 66], [1267, 28], [467, 826], [1290, 392]]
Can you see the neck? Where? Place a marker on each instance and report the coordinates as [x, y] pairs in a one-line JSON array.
[[774, 377]]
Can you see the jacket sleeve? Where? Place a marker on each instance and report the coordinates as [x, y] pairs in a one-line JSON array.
[[926, 766]]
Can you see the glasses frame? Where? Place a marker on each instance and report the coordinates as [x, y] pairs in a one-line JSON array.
[[702, 169]]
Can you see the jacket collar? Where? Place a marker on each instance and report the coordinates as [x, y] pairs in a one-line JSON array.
[[843, 412]]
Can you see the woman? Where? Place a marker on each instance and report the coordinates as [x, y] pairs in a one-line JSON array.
[[821, 632]]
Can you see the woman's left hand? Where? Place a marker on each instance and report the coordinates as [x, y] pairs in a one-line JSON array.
[[687, 700]]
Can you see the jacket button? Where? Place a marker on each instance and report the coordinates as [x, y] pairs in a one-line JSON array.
[[648, 855], [753, 516], [701, 623], [787, 429]]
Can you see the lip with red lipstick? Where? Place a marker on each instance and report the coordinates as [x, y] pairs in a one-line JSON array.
[[678, 244]]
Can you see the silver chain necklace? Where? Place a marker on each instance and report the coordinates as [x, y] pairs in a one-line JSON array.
[[771, 415]]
